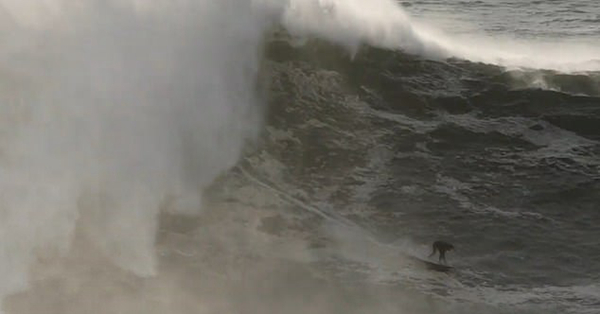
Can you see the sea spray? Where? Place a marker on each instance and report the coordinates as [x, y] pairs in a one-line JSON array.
[[108, 109]]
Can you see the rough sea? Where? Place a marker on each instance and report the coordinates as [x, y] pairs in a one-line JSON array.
[[299, 156]]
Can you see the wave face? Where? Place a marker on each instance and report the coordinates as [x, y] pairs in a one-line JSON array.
[[295, 156], [503, 161]]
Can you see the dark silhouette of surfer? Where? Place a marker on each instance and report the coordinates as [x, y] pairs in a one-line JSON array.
[[442, 247]]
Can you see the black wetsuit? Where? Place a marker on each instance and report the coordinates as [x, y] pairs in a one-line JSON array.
[[442, 247]]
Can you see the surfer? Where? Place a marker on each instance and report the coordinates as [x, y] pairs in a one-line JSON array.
[[442, 247]]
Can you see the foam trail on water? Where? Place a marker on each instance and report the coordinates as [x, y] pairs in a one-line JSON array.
[[108, 108]]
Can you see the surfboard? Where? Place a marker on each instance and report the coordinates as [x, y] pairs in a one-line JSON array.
[[433, 266], [437, 267]]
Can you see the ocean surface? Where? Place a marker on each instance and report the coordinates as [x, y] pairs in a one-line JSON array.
[[299, 156]]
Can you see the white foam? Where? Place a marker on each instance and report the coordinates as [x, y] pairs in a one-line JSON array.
[[380, 23]]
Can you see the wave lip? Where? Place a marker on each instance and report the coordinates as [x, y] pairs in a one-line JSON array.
[[384, 24], [380, 23]]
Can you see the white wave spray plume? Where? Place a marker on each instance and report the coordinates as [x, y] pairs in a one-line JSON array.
[[107, 108]]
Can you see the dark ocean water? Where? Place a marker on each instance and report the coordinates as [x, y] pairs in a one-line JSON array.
[[362, 137], [416, 150]]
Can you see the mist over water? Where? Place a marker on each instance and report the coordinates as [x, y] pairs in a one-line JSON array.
[[113, 113], [110, 108]]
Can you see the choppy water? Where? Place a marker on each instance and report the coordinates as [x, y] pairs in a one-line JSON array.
[[293, 156]]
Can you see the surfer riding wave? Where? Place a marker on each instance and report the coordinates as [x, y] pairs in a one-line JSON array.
[[442, 247]]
